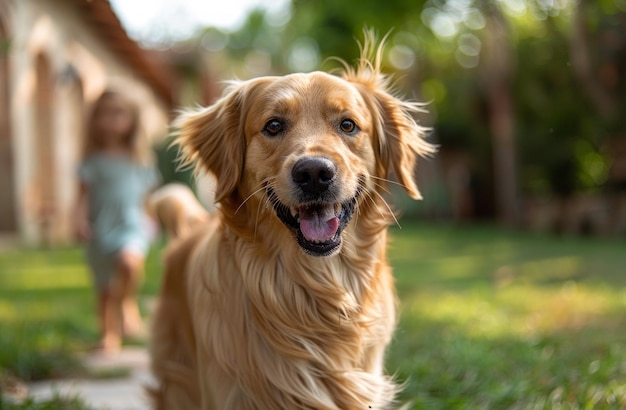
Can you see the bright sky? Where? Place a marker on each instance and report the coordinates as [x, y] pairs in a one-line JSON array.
[[165, 19]]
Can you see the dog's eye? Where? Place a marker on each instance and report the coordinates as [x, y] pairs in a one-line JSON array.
[[273, 127], [348, 126]]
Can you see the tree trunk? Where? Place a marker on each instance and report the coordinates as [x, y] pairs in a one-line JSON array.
[[498, 72], [583, 65]]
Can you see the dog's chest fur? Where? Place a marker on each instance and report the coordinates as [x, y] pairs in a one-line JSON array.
[[272, 315]]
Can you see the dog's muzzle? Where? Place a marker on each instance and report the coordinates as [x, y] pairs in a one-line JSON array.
[[317, 221]]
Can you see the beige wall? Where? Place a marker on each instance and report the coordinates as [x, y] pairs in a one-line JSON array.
[[80, 66]]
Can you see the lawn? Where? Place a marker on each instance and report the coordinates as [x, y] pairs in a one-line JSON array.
[[489, 319], [495, 320], [47, 309]]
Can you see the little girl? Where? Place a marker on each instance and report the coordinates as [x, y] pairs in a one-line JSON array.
[[115, 176]]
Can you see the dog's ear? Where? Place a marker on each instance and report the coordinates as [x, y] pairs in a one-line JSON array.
[[213, 138], [398, 139]]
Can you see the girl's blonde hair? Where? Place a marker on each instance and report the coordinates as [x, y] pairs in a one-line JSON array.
[[136, 142]]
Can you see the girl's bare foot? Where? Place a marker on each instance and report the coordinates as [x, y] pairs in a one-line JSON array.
[[132, 325], [108, 345]]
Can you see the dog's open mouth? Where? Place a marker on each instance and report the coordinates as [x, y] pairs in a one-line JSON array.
[[317, 225]]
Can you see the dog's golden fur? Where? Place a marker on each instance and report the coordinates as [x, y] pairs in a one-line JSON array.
[[177, 209], [249, 317]]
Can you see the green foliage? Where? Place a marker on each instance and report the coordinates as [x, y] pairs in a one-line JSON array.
[[169, 165], [335, 25], [436, 49]]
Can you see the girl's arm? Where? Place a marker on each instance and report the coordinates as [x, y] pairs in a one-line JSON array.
[[82, 225]]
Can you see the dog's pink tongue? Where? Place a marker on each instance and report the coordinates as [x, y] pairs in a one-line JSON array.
[[318, 224]]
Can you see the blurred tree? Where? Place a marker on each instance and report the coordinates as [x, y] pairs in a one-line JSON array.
[[334, 25], [497, 79], [255, 49], [450, 22], [532, 90], [570, 88], [583, 62]]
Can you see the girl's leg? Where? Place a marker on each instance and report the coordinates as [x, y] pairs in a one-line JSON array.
[[131, 266], [107, 299], [109, 318]]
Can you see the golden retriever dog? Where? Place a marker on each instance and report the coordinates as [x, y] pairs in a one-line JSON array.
[[285, 299]]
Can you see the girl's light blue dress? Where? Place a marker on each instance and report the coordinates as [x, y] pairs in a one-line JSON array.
[[117, 186]]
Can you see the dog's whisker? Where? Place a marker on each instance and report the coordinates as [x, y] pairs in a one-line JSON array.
[[248, 198], [373, 201], [389, 181], [362, 188], [393, 215], [382, 187], [374, 181], [368, 195], [268, 182], [263, 185], [271, 202]]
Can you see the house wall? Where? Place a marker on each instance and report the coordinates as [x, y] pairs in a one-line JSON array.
[[7, 206], [57, 67]]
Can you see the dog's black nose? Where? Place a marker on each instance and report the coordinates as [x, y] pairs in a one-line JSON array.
[[314, 175]]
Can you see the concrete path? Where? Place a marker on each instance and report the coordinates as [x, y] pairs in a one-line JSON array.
[[123, 393]]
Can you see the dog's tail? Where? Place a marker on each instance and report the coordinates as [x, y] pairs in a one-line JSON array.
[[176, 208]]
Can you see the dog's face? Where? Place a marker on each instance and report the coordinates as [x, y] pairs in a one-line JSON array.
[[309, 139], [314, 146]]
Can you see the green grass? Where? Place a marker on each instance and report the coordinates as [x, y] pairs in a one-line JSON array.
[[47, 317], [509, 320], [489, 319], [47, 310]]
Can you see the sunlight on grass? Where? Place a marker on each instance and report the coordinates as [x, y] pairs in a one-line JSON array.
[[468, 312], [457, 266], [8, 311], [500, 320], [517, 311], [45, 277], [572, 306], [540, 270]]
